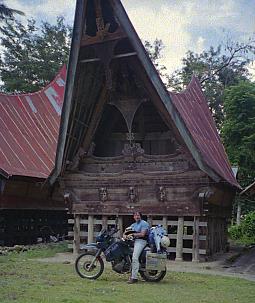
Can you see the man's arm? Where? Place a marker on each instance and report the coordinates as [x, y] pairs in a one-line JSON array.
[[141, 234]]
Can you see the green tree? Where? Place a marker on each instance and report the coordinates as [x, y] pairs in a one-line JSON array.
[[217, 69], [245, 232], [32, 55], [238, 131], [154, 51], [7, 12]]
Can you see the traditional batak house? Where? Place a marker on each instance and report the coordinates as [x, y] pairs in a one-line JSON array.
[[29, 127], [127, 144]]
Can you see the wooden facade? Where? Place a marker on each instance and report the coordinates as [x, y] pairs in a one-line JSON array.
[[124, 146]]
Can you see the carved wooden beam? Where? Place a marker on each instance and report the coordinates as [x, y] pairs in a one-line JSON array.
[[92, 126], [102, 29], [119, 34], [102, 34], [95, 119], [114, 57], [106, 52]]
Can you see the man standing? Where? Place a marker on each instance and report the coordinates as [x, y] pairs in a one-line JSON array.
[[141, 230]]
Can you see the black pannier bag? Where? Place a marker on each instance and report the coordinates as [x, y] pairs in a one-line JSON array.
[[113, 252]]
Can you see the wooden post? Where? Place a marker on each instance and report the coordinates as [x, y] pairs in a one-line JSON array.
[[76, 234], [104, 222], [212, 236], [207, 234], [238, 214], [195, 247], [90, 228], [149, 220], [179, 242], [164, 223], [120, 225], [226, 243]]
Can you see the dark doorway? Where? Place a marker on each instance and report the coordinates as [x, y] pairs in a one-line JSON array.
[[127, 221]]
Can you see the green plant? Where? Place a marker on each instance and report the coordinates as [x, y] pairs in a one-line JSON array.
[[245, 232], [235, 232], [248, 226]]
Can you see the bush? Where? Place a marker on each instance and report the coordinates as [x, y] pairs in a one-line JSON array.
[[245, 232], [235, 232], [248, 225]]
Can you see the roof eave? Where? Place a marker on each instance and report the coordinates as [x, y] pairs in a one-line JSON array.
[[4, 173], [72, 64]]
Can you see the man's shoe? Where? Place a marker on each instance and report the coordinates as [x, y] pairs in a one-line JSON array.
[[132, 281]]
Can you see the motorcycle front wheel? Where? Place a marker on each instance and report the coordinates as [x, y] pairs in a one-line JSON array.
[[152, 275], [85, 270]]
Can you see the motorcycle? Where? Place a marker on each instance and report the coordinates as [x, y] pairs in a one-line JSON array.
[[90, 264]]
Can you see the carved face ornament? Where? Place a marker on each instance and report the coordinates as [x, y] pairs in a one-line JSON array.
[[162, 193], [103, 194], [132, 194]]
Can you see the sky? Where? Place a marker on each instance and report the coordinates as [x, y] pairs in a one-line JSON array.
[[181, 24]]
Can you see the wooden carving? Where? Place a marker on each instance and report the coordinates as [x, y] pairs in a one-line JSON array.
[[132, 149], [104, 31], [132, 194], [128, 108], [103, 194], [161, 193], [70, 199], [105, 52], [133, 158]]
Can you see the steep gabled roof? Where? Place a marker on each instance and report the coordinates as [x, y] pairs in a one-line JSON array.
[[193, 108], [29, 127], [217, 167]]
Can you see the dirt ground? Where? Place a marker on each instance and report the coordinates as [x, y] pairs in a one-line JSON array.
[[237, 263]]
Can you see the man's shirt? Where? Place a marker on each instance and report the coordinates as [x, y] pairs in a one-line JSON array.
[[140, 226]]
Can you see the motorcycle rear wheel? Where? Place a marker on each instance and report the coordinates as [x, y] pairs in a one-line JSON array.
[[153, 276], [83, 263]]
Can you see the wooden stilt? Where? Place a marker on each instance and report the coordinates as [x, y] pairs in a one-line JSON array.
[[195, 248], [179, 242], [207, 234], [120, 225], [226, 243], [238, 214], [90, 228], [76, 235], [164, 222], [213, 243], [149, 220], [104, 222]]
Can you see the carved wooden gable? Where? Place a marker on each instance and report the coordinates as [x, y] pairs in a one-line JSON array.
[[130, 155]]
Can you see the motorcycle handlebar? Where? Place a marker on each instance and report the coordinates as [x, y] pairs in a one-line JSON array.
[[114, 231]]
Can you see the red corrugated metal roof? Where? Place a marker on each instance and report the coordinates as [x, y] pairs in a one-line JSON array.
[[29, 127], [193, 108]]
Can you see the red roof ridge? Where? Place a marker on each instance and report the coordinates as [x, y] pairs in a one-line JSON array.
[[184, 90], [61, 71]]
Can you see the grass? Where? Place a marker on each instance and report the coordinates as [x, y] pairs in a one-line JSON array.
[[25, 280], [37, 251]]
